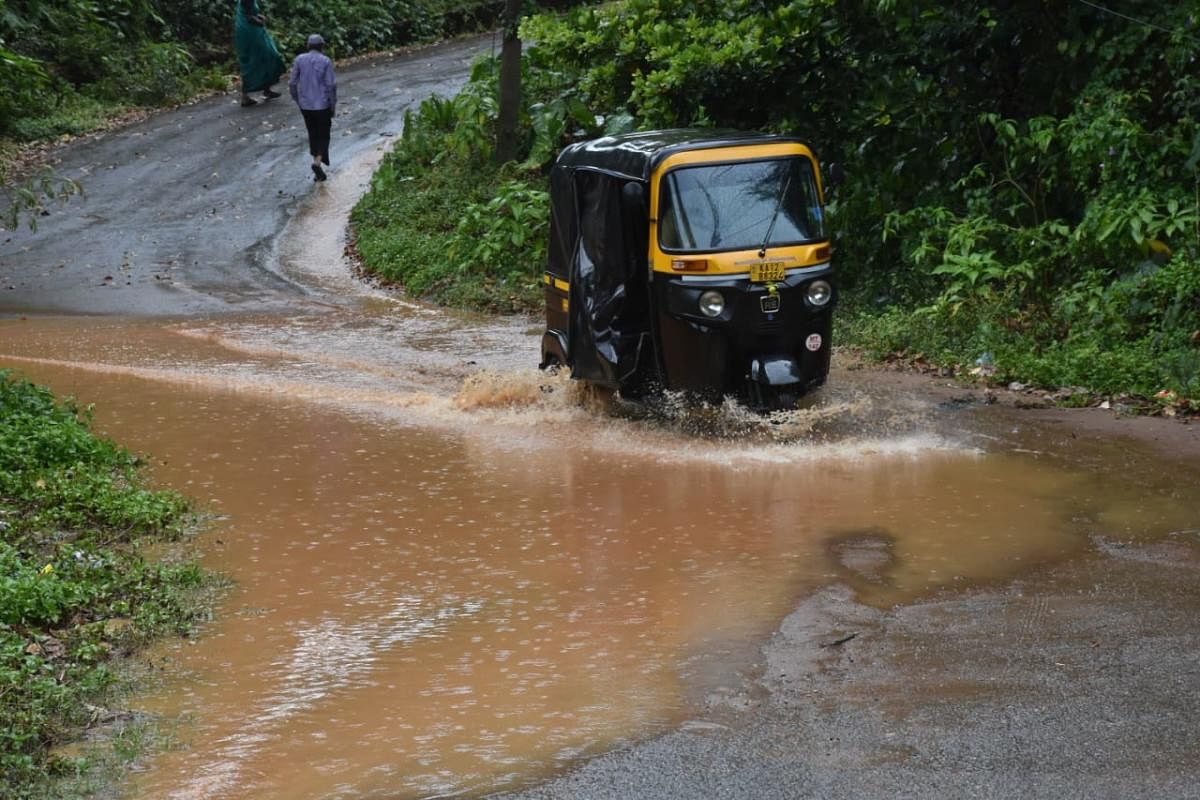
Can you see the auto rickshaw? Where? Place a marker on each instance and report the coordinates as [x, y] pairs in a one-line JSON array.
[[692, 261]]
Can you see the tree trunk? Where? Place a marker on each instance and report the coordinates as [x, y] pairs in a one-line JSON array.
[[507, 138]]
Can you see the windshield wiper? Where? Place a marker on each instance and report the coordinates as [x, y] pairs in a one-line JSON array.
[[762, 251]]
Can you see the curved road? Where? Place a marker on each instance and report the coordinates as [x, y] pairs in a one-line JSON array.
[[182, 211]]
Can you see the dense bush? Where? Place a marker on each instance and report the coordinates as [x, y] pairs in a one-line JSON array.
[[75, 55]]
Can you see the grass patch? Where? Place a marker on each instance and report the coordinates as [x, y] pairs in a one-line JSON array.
[[412, 230], [988, 344], [76, 593], [71, 115], [72, 112]]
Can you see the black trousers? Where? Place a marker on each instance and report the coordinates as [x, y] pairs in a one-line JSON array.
[[318, 124]]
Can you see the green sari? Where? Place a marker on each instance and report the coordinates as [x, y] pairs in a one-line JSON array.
[[258, 57]]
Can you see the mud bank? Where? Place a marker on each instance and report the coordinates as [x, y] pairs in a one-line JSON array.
[[1172, 438]]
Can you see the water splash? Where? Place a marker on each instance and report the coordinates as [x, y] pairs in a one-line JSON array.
[[532, 390], [730, 420]]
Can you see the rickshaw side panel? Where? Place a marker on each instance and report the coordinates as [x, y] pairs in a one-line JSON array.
[[554, 342], [599, 307], [564, 234]]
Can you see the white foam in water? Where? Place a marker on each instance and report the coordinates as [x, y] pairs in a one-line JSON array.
[[504, 406], [424, 371], [674, 430]]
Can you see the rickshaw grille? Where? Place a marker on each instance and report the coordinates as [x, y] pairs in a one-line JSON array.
[[770, 328]]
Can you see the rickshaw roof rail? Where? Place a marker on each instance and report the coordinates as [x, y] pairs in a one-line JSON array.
[[635, 155]]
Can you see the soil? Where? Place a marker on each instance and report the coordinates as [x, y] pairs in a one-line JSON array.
[[1175, 437]]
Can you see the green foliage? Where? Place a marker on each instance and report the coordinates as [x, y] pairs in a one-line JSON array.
[[555, 122], [22, 82], [60, 475], [408, 231], [27, 200], [152, 74], [1142, 349], [514, 222], [350, 28], [68, 113], [443, 221], [114, 48], [463, 128], [74, 591]]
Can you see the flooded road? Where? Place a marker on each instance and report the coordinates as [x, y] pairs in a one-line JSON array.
[[452, 580]]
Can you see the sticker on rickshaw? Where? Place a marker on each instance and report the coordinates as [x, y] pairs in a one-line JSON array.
[[767, 272], [813, 342], [770, 303]]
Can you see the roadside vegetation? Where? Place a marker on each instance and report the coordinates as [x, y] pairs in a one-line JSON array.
[[445, 222], [77, 594], [1023, 192]]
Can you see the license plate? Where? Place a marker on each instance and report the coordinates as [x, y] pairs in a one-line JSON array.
[[767, 272]]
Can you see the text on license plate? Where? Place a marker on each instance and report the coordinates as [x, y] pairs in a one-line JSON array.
[[767, 272]]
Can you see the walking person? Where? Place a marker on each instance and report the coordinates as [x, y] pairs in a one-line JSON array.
[[259, 59], [314, 88]]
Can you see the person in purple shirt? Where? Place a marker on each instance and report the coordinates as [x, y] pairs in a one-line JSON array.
[[314, 88]]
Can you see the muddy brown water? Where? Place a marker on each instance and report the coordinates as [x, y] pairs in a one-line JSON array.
[[452, 580], [455, 574]]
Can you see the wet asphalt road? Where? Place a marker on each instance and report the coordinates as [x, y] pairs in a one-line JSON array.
[[181, 211]]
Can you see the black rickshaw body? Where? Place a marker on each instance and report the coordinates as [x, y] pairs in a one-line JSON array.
[[691, 261]]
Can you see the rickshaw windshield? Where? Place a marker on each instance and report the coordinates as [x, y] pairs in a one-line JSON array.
[[740, 206]]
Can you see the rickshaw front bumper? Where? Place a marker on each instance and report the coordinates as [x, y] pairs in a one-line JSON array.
[[764, 336]]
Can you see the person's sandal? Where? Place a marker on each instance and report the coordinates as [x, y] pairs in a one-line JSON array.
[[249, 101], [318, 173], [270, 95]]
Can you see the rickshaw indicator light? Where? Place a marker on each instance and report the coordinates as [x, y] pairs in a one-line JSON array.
[[819, 293], [712, 303], [689, 264]]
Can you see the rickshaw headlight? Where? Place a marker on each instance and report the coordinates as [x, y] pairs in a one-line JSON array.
[[712, 303], [819, 293]]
